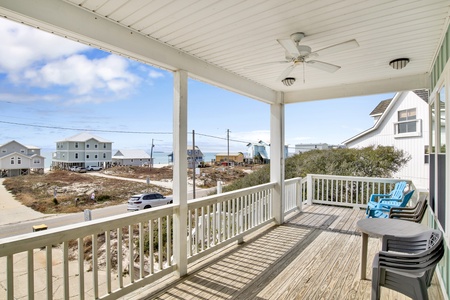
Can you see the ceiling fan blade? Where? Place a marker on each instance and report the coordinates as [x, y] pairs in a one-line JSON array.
[[290, 46], [286, 72], [323, 66], [266, 64], [338, 47]]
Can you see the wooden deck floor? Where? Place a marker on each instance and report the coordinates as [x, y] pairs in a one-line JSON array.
[[315, 255]]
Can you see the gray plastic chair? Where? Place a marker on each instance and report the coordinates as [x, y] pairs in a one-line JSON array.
[[413, 214], [407, 264]]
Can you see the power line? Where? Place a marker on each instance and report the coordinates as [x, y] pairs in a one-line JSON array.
[[115, 131]]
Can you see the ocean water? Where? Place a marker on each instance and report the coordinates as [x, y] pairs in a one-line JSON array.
[[158, 157]]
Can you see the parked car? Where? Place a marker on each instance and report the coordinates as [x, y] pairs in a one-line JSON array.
[[74, 168], [93, 168], [81, 170], [144, 201]]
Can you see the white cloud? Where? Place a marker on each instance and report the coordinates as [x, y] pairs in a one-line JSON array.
[[22, 46], [155, 74], [84, 76], [34, 58]]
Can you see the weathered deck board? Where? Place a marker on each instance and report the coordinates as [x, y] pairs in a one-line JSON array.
[[314, 255]]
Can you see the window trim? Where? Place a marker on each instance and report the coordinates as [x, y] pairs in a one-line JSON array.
[[418, 131]]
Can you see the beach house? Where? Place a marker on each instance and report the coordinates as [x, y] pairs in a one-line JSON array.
[[83, 149], [17, 159], [131, 157], [401, 122]]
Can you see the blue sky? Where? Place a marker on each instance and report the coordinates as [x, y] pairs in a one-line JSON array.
[[48, 83]]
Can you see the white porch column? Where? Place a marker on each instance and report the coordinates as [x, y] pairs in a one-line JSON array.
[[180, 170], [277, 156]]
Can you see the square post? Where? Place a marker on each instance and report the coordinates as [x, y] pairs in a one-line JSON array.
[[180, 171], [277, 157]]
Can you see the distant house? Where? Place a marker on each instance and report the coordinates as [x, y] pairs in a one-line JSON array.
[[401, 122], [237, 157], [17, 159], [258, 152], [300, 148], [192, 156], [83, 149], [129, 157]]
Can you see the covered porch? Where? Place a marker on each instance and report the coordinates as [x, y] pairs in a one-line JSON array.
[[215, 43]]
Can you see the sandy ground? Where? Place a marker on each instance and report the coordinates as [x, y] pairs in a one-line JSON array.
[[13, 211]]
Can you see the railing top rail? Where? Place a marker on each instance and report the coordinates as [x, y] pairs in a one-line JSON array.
[[292, 180], [209, 200], [57, 235], [358, 178]]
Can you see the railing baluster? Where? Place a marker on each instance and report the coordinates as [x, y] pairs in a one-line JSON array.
[[49, 266], [81, 266], [189, 228], [141, 250], [95, 264], [202, 225], [197, 233], [30, 270], [119, 257], [214, 220], [169, 240], [233, 219], [130, 253], [66, 269], [150, 246], [108, 260], [208, 226], [160, 244], [10, 276]]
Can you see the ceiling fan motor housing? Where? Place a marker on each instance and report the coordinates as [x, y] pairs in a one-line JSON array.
[[304, 50]]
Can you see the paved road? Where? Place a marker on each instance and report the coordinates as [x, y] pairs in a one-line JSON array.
[[16, 218]]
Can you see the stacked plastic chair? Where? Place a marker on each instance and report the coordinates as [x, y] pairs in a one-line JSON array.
[[407, 264]]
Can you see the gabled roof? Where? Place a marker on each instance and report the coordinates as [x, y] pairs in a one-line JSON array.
[[83, 137], [384, 113], [14, 141], [131, 154], [381, 107]]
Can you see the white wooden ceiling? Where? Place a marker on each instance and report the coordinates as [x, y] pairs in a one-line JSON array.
[[217, 41]]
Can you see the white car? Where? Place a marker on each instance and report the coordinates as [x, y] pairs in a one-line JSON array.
[[74, 169], [93, 168], [144, 201]]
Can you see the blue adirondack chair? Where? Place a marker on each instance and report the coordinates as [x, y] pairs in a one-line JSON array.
[[384, 206], [395, 195]]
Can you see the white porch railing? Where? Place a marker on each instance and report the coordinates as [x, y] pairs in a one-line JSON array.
[[79, 260], [344, 190]]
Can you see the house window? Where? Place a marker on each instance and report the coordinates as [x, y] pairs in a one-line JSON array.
[[104, 155], [408, 125], [19, 161], [76, 155], [404, 123], [96, 156], [76, 145], [87, 146], [12, 160], [87, 156], [104, 146], [22, 150], [95, 146], [37, 161], [3, 150]]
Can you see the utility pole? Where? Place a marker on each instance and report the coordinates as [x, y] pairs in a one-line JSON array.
[[194, 160], [151, 155], [228, 147]]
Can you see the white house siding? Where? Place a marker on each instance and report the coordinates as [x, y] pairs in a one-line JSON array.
[[416, 169]]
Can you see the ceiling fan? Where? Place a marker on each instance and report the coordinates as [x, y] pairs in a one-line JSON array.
[[297, 54]]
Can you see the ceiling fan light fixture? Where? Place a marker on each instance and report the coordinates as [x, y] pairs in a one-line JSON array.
[[288, 81], [399, 63]]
